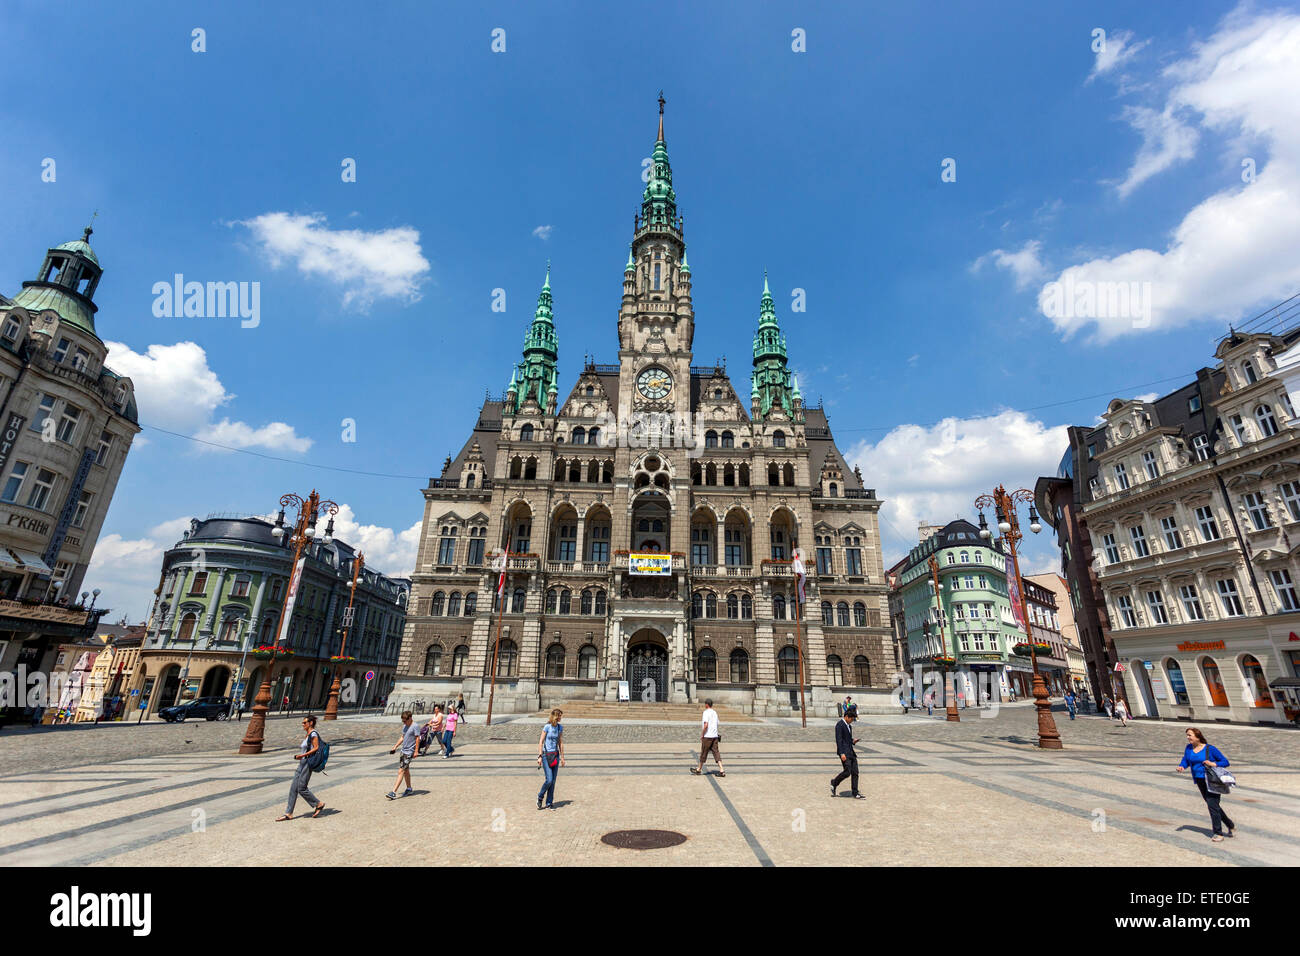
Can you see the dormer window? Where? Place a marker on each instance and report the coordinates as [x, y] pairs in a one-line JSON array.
[[591, 390], [1239, 429], [1248, 370], [717, 393], [61, 352], [1121, 477], [12, 328], [1151, 465], [81, 362], [1194, 404]]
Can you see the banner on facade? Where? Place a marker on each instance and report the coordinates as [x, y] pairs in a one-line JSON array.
[[69, 507], [1013, 592], [649, 563], [294, 580]]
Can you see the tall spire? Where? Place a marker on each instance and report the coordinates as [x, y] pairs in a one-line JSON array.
[[536, 375], [659, 201], [770, 382]]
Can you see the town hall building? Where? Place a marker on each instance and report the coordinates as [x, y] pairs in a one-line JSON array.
[[649, 517]]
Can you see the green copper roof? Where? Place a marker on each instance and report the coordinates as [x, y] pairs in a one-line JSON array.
[[82, 246], [536, 375], [770, 382], [659, 201], [70, 308], [686, 266]]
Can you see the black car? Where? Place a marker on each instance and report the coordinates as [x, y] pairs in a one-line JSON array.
[[210, 708]]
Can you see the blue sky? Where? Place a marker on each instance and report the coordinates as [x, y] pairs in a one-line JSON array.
[[925, 330]]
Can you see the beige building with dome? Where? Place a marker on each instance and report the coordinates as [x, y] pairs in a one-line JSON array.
[[67, 422], [651, 514]]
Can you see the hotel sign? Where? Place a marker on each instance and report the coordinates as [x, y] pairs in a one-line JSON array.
[[1201, 646], [12, 429], [649, 563]]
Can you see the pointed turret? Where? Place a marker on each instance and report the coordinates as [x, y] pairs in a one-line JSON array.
[[771, 382], [535, 377]]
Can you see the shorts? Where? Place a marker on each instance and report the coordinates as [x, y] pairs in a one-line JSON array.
[[709, 745], [404, 761]]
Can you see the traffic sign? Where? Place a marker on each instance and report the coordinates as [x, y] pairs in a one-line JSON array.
[[370, 675]]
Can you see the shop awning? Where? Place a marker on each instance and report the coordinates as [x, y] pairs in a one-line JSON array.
[[9, 560], [32, 562]]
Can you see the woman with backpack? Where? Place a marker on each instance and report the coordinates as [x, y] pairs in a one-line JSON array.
[[1197, 755], [550, 757], [308, 750]]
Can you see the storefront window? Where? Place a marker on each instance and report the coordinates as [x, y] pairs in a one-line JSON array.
[[1256, 681], [1214, 683]]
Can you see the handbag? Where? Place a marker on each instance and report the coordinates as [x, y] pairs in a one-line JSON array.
[[552, 759], [1219, 779]]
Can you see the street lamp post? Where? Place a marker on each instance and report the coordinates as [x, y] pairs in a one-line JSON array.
[[949, 691], [332, 708], [1005, 503], [302, 533]]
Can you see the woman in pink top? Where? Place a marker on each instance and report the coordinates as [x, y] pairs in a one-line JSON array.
[[448, 733], [433, 728]]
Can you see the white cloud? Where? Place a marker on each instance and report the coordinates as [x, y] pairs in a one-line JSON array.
[[1235, 250], [935, 473], [174, 387], [1166, 140], [1023, 263], [176, 390], [387, 264], [277, 436], [543, 232], [1117, 52], [390, 552], [127, 569]]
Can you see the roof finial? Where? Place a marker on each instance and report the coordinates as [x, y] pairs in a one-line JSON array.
[[89, 227], [661, 116]]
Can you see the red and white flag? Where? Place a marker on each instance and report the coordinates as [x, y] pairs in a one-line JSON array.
[[797, 566], [500, 564]]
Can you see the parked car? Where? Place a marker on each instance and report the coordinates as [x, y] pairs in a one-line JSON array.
[[210, 708]]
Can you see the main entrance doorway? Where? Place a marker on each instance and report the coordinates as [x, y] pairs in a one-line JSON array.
[[648, 670]]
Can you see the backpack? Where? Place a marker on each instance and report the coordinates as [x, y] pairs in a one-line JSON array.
[[321, 757]]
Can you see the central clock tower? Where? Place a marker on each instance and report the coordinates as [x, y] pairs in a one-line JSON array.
[[656, 322]]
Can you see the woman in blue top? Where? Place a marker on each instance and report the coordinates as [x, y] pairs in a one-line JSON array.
[[1197, 754], [550, 757]]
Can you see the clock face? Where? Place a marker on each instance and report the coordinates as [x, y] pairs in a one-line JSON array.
[[654, 383]]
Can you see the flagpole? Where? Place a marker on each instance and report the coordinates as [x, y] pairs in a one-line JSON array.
[[501, 610], [798, 634]]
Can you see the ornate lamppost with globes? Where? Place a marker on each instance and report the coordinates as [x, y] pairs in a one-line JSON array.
[[1005, 504], [332, 708], [949, 692], [300, 535]]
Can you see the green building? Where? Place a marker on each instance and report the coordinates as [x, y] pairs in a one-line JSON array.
[[971, 621], [219, 597]]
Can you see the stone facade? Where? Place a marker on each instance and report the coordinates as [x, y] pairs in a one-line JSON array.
[[1191, 503], [652, 455], [67, 422]]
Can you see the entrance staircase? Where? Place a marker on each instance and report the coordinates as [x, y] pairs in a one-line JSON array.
[[639, 710]]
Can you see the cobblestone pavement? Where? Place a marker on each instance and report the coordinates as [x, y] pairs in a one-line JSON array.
[[1110, 798], [49, 748]]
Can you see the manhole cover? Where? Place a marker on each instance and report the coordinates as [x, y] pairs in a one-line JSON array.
[[643, 839]]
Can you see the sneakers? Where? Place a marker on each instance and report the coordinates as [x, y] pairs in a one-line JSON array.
[[539, 803], [391, 795], [833, 793], [407, 792], [858, 796]]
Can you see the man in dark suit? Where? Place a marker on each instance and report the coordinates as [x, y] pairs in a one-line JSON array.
[[844, 741]]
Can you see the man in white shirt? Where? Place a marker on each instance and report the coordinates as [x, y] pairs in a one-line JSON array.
[[709, 737]]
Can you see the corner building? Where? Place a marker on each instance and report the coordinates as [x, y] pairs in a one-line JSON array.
[[650, 455]]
